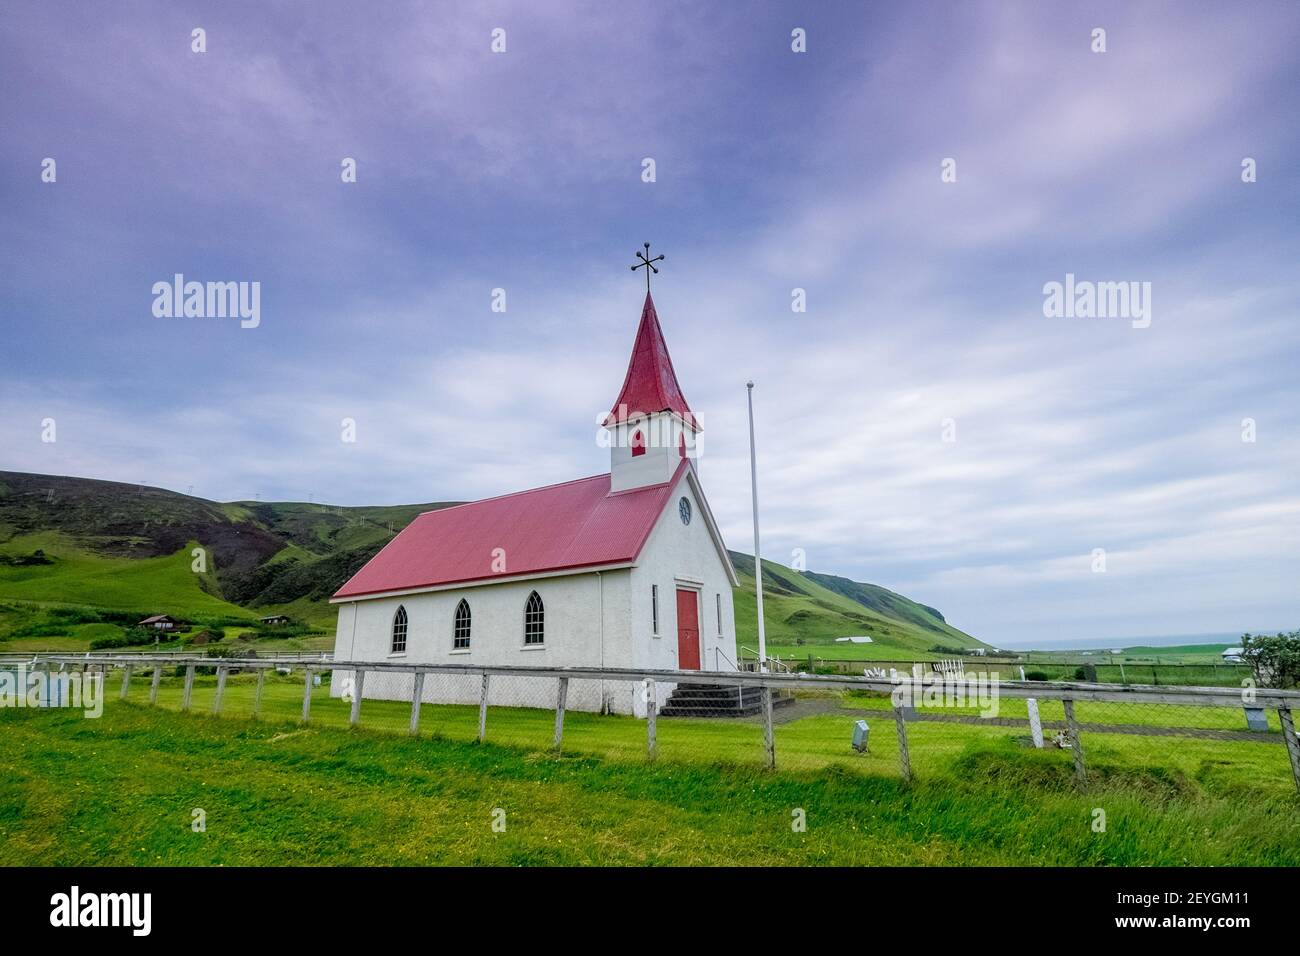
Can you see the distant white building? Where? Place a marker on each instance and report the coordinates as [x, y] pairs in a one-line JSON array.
[[160, 622], [625, 569], [1232, 655]]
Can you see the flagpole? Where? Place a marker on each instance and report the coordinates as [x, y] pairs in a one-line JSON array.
[[758, 559]]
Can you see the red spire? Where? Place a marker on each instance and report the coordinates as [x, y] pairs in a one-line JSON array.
[[651, 384]]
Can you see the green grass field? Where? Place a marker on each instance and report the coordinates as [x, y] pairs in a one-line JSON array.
[[120, 789]]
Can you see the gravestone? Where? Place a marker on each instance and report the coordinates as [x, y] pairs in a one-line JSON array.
[[860, 732], [1256, 719]]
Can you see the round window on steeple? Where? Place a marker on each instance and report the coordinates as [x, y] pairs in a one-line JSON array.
[[684, 509]]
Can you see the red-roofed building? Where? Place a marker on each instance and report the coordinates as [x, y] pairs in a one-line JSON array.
[[625, 569]]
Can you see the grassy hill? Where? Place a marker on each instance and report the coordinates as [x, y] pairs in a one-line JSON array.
[[81, 558], [804, 611]]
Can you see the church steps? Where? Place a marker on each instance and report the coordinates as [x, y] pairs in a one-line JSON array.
[[716, 700]]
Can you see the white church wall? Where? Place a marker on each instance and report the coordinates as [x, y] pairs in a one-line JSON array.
[[682, 556], [573, 635]]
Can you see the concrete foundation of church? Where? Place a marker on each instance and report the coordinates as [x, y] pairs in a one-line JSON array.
[[614, 697]]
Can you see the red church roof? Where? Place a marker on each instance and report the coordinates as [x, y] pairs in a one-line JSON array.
[[573, 525], [651, 384]]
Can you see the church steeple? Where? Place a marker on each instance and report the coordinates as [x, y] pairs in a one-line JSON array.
[[651, 425], [650, 385]]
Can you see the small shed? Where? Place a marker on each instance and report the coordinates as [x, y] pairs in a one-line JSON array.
[[275, 620]]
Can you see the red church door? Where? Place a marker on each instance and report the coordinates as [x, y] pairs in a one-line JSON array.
[[688, 631]]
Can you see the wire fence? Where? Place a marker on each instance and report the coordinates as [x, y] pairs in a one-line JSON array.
[[800, 722]]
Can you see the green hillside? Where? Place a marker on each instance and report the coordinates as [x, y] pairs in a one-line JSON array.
[[260, 555], [81, 558], [82, 545], [75, 575], [803, 609]]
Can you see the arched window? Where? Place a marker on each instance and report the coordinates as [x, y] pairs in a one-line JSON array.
[[638, 443], [534, 620], [460, 632], [399, 631]]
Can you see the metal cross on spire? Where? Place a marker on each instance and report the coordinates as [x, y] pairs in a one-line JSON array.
[[648, 263]]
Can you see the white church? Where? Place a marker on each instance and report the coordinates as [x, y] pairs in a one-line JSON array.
[[624, 569]]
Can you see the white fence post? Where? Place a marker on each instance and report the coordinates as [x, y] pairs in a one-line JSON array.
[[44, 688], [482, 711], [126, 682], [904, 759], [358, 683], [651, 713], [561, 698], [1076, 745], [417, 692], [1035, 722], [221, 689], [189, 687], [306, 695], [769, 737], [257, 694], [153, 684]]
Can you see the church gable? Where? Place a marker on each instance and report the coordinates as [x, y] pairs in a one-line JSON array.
[[697, 513]]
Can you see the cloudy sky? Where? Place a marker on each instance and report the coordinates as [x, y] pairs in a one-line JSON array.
[[775, 170]]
